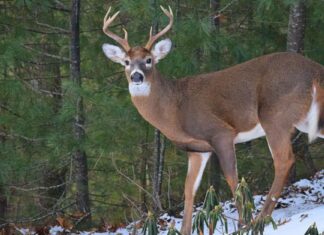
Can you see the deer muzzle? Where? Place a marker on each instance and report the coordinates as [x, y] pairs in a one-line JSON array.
[[137, 77]]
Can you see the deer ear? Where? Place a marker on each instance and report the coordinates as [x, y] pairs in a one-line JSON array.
[[114, 53], [161, 49]]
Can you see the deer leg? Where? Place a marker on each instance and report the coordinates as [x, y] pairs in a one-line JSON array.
[[227, 159], [196, 166], [283, 160], [225, 150]]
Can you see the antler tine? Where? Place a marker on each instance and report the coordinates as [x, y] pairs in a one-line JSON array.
[[170, 10], [125, 34], [106, 16], [151, 30], [152, 38], [106, 23]]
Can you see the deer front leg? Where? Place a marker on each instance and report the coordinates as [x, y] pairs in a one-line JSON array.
[[196, 165], [224, 148]]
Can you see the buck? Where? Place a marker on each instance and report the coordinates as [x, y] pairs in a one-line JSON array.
[[268, 96]]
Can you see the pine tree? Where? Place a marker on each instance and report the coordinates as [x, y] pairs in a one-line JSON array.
[[79, 154]]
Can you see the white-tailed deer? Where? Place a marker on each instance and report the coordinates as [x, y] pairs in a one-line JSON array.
[[267, 96]]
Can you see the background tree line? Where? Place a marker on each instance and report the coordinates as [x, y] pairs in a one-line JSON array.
[[70, 140]]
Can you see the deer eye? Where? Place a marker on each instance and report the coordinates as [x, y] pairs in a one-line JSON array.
[[127, 62], [149, 60]]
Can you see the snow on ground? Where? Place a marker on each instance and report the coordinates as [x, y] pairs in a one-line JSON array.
[[300, 206], [299, 223]]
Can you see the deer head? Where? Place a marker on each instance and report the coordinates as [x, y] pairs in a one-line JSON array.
[[139, 62]]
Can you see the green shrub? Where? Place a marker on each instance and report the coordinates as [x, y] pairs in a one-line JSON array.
[[150, 227], [173, 230], [312, 230]]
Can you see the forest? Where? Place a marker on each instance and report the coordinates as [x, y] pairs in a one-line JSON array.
[[72, 145]]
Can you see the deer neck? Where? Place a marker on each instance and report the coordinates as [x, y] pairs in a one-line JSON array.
[[157, 103]]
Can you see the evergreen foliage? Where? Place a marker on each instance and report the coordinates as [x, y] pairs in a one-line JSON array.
[[150, 227], [244, 201], [210, 200], [210, 214], [312, 230], [172, 230]]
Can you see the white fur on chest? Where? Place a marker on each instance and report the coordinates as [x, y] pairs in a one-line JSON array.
[[245, 136], [143, 89]]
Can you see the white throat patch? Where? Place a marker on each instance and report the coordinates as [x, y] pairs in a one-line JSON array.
[[143, 89]]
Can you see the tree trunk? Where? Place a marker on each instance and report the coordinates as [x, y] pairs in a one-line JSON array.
[[3, 198], [79, 155], [3, 204], [159, 147], [143, 175], [296, 27], [295, 43], [214, 169], [158, 162], [57, 88]]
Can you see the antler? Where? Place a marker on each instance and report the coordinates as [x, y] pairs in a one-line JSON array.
[[152, 38], [107, 21]]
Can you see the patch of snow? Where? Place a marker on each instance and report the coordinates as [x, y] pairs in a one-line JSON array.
[[304, 183], [120, 231], [56, 230], [299, 223], [24, 231]]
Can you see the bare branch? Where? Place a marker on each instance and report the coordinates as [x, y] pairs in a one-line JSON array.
[[86, 215], [129, 179], [139, 211], [61, 30], [41, 91], [47, 54], [60, 6], [14, 136], [36, 218], [38, 188], [42, 32], [227, 6], [9, 110]]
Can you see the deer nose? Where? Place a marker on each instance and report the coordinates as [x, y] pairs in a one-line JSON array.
[[137, 77]]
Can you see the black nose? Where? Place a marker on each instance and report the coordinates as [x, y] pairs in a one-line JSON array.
[[137, 77]]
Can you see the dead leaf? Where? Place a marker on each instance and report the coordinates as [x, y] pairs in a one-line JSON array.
[[64, 222]]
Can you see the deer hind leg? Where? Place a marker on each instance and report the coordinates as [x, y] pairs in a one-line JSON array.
[[196, 165], [283, 158]]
